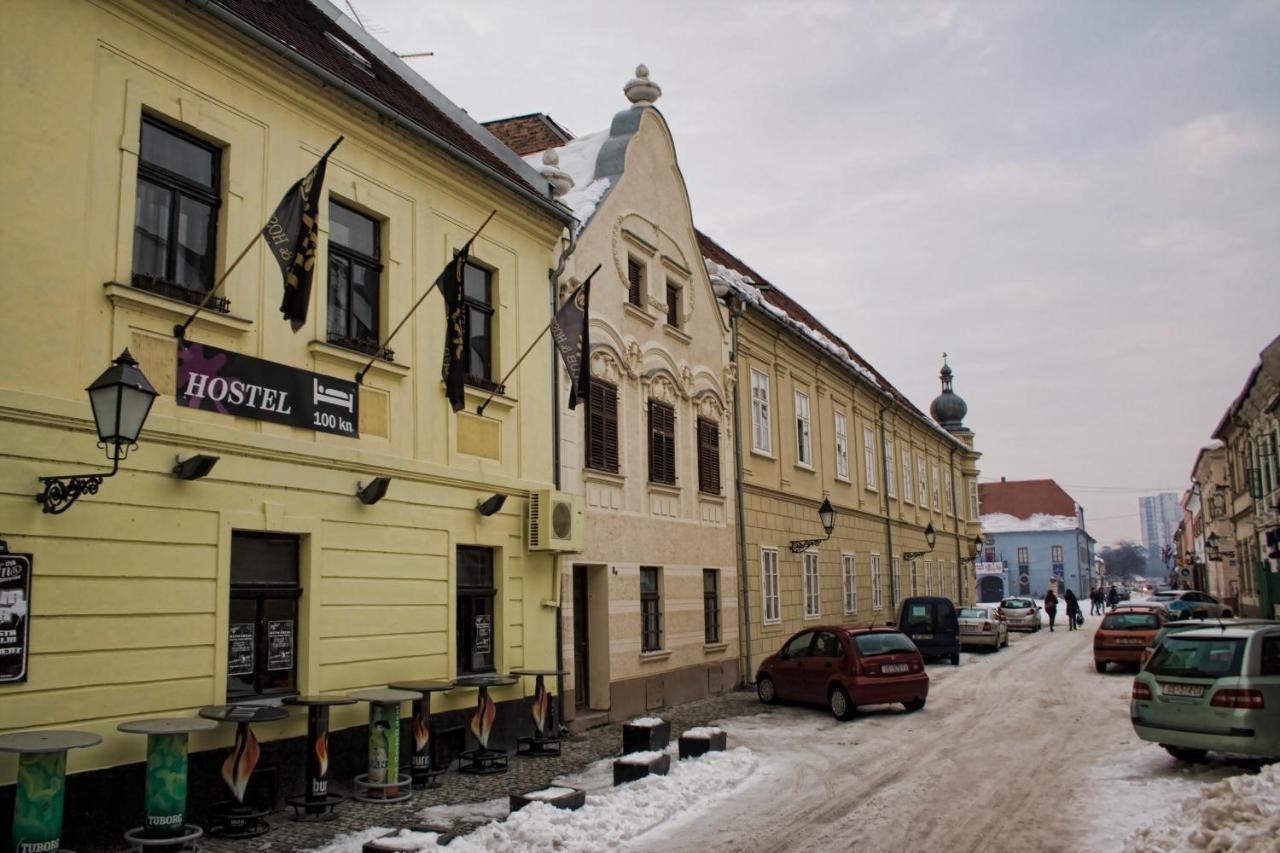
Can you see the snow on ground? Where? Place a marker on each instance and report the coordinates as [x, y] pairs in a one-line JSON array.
[[1240, 814], [447, 815]]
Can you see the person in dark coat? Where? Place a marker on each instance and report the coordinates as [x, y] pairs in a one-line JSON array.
[[1073, 609], [1051, 607], [1113, 597], [1095, 600]]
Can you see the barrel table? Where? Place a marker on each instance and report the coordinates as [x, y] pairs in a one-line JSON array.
[[482, 759], [383, 782], [317, 803], [424, 774], [545, 740], [164, 826], [237, 819], [42, 784]]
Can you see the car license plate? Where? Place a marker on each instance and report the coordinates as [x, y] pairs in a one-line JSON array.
[[1130, 641], [893, 668], [922, 636], [1193, 690]]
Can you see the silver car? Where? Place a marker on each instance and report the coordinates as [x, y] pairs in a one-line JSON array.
[[1202, 605], [1214, 688], [981, 625], [1021, 614]]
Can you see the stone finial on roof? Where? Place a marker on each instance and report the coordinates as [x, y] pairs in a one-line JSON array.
[[560, 180], [640, 90]]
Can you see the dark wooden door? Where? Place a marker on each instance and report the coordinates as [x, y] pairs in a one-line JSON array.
[[581, 653]]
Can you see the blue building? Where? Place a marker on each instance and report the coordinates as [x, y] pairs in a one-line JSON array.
[[1035, 531]]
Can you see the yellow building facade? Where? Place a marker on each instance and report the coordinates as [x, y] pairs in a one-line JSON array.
[[134, 599], [818, 423]]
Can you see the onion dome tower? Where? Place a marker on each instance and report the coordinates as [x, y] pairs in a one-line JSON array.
[[948, 409]]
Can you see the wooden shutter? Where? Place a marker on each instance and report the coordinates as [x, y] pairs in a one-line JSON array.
[[602, 427], [673, 305], [635, 279], [708, 457], [662, 443]]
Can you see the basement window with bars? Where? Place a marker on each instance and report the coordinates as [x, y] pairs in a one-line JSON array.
[[708, 457], [711, 604], [602, 427], [650, 609], [662, 443]]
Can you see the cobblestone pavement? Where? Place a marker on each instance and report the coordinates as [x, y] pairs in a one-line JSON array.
[[526, 774]]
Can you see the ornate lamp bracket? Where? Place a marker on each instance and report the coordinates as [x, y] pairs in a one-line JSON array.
[[59, 493]]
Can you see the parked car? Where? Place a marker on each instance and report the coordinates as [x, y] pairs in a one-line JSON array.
[[1123, 635], [1212, 689], [930, 621], [845, 667], [1022, 614], [983, 626], [1178, 627], [1202, 605]]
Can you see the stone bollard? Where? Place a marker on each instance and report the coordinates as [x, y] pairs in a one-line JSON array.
[[638, 765], [702, 740], [646, 734]]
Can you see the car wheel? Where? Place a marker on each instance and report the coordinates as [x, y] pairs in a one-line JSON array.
[[1182, 753], [914, 704], [955, 659], [838, 702], [1005, 644], [1100, 665], [766, 691]]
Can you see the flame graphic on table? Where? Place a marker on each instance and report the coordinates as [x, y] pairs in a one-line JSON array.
[[420, 732], [322, 753], [541, 705], [482, 721], [240, 763]]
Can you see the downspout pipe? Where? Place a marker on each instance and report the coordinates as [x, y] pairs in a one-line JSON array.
[[736, 309], [888, 518], [553, 278], [391, 115]]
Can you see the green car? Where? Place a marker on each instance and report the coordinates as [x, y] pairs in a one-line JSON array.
[[1189, 625], [1216, 688]]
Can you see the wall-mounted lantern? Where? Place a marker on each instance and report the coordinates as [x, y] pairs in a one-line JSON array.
[[930, 537], [826, 515]]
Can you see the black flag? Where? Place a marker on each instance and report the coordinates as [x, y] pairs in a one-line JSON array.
[[454, 367], [291, 232], [570, 330]]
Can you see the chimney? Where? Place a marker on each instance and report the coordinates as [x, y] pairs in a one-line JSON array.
[[1003, 480], [641, 91]]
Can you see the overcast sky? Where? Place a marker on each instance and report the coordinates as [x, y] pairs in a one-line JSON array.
[[1080, 202]]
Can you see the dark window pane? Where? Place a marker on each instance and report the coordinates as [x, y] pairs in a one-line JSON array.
[[339, 293], [478, 343], [193, 264], [165, 149], [635, 282], [152, 219], [475, 284], [353, 230], [673, 305], [475, 568], [278, 630], [242, 648], [648, 580], [264, 558], [364, 302]]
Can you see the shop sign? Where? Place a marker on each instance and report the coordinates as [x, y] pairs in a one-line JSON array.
[[15, 605], [217, 380], [988, 568]]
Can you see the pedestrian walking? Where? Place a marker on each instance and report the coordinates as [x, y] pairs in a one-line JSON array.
[[1051, 607], [1073, 609], [1095, 601], [1113, 597]]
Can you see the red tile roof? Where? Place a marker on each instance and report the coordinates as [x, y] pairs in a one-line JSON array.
[[301, 26], [1025, 498], [529, 134]]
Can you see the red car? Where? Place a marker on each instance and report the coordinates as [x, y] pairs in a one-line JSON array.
[[845, 667], [1124, 635]]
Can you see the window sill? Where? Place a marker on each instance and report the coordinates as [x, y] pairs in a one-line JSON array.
[[813, 617], [172, 310], [664, 489], [639, 313], [598, 476], [844, 480], [675, 332], [772, 623], [708, 497], [474, 396], [357, 359], [275, 700], [803, 466], [655, 655], [714, 648], [765, 454]]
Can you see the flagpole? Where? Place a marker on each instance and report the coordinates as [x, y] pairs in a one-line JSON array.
[[383, 345], [489, 399], [181, 331]]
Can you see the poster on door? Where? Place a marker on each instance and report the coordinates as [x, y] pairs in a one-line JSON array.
[[279, 645], [240, 649], [484, 634], [15, 604]]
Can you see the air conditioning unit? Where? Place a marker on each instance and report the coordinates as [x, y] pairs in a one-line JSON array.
[[555, 521]]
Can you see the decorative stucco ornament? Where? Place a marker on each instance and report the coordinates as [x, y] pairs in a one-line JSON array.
[[560, 180], [640, 90]]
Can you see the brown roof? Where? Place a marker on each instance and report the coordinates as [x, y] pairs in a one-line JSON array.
[[529, 134], [301, 26], [1025, 498]]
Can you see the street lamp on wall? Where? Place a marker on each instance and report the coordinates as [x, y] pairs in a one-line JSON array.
[[826, 515], [930, 537], [121, 399], [977, 550]]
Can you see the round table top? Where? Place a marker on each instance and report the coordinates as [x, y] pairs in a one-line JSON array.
[[492, 679], [47, 741], [384, 696], [167, 726], [423, 686], [320, 700], [244, 713], [539, 672]]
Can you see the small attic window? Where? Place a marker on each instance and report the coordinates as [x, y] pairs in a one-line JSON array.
[[351, 53]]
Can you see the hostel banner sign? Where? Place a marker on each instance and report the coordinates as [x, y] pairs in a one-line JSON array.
[[15, 604], [217, 380]]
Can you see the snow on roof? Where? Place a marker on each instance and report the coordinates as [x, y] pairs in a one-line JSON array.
[[1214, 444], [1000, 522], [578, 159]]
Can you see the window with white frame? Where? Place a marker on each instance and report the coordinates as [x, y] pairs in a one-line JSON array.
[[850, 575], [946, 493], [973, 499], [937, 489], [906, 476], [890, 476], [897, 582], [769, 585], [869, 456], [812, 592], [922, 483], [761, 436], [877, 594], [804, 446], [842, 446], [928, 577]]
